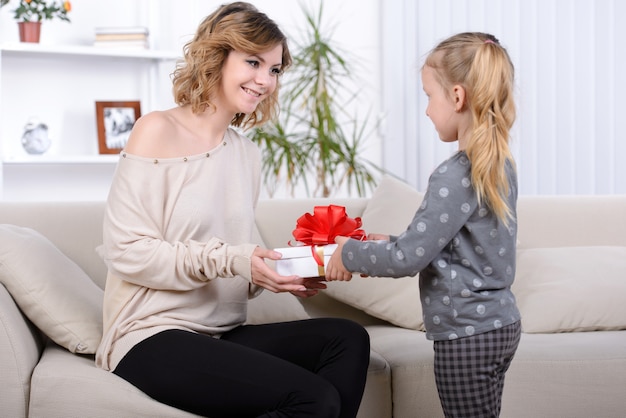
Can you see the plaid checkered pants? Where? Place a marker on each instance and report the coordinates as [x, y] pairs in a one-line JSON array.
[[470, 372]]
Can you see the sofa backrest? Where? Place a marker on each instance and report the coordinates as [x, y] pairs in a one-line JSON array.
[[74, 227], [570, 221], [544, 221]]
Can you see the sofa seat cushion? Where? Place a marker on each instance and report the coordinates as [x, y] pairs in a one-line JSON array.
[[577, 374], [377, 396], [270, 307], [51, 290], [568, 289], [70, 385], [389, 211], [561, 362], [410, 356]]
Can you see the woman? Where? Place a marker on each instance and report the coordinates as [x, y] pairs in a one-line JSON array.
[[181, 267]]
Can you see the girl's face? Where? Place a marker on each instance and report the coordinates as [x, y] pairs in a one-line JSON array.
[[247, 79], [442, 108]]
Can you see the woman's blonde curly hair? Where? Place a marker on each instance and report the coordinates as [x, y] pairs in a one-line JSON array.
[[232, 27]]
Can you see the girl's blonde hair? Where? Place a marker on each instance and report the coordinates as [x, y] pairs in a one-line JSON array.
[[232, 27], [478, 63]]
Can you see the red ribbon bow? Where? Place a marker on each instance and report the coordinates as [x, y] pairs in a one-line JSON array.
[[326, 223]]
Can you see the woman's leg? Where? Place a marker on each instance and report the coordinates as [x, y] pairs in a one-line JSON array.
[[336, 349], [222, 378], [469, 371]]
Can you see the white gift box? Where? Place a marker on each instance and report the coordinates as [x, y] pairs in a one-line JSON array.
[[300, 260]]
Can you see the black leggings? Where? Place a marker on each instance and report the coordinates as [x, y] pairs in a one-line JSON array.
[[311, 368]]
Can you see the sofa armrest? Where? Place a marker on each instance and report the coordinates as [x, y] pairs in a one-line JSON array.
[[21, 345]]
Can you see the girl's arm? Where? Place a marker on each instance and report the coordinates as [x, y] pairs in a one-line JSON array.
[[448, 203]]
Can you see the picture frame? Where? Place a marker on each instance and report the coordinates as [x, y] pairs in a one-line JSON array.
[[115, 120]]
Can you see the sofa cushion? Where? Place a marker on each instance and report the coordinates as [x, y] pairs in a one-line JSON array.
[[271, 307], [51, 290], [70, 385], [411, 359], [20, 350], [389, 211], [573, 374], [568, 289], [67, 385]]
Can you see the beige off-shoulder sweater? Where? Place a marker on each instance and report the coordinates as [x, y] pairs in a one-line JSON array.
[[177, 235]]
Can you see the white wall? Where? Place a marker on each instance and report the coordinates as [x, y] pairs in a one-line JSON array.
[[61, 101], [568, 54], [570, 61]]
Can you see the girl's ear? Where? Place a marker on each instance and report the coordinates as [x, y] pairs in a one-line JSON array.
[[458, 95]]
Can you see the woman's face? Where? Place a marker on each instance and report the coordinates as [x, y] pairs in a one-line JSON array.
[[441, 108], [248, 79]]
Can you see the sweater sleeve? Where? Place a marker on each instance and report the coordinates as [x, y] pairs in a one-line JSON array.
[[145, 244], [448, 203]]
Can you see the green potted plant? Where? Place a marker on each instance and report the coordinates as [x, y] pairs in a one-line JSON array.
[[30, 13], [314, 135]]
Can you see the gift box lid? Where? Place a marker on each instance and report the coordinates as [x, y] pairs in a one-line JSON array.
[[304, 251], [304, 261]]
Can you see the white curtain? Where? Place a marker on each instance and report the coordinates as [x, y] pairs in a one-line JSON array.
[[570, 61]]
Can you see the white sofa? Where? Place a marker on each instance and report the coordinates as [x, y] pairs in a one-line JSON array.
[[570, 285]]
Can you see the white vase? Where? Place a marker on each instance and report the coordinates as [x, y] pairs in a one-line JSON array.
[[35, 139]]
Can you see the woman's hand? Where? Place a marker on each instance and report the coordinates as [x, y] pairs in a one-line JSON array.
[[335, 270], [313, 285], [264, 276]]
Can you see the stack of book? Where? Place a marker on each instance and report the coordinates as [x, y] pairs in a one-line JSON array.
[[122, 37]]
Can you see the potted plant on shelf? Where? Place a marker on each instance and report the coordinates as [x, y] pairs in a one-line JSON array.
[[30, 13], [314, 135]]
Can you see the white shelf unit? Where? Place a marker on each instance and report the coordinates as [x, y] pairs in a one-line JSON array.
[[59, 84], [58, 50]]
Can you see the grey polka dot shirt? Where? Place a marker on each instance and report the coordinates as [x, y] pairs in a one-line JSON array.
[[465, 256]]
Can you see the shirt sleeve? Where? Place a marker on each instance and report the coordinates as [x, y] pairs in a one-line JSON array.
[[448, 203], [134, 247]]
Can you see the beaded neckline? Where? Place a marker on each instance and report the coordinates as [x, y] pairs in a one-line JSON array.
[[183, 159]]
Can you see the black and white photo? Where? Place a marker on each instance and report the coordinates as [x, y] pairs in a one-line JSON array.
[[115, 121]]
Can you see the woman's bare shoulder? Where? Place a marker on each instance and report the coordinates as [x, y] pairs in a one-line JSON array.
[[151, 134]]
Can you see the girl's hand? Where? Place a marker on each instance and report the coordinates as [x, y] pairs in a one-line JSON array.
[[377, 237], [335, 270], [264, 276]]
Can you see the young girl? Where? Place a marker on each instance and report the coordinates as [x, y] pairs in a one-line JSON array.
[[177, 232], [462, 238]]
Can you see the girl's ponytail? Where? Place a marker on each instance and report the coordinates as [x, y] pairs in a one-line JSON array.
[[482, 66], [492, 105]]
